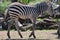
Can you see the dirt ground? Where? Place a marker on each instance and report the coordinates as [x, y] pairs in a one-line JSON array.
[[40, 34]]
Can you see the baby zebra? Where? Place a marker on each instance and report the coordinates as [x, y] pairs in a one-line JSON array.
[[17, 10]]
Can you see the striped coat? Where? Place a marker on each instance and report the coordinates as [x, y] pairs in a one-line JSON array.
[[17, 10]]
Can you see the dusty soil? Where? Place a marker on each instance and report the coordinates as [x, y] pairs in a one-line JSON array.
[[40, 34]]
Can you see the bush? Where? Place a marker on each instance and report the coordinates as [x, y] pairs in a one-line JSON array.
[[25, 1], [3, 6]]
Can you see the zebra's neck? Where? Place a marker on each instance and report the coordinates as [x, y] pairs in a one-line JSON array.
[[41, 7], [38, 10]]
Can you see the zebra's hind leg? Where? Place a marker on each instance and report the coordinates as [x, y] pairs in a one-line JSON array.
[[9, 24], [8, 33], [33, 29], [17, 27]]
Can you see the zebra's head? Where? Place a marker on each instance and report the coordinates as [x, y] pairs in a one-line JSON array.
[[43, 6]]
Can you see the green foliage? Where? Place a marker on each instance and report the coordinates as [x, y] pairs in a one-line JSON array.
[[3, 6], [25, 1], [59, 1]]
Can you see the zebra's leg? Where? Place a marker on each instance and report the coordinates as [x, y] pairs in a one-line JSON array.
[[8, 33], [20, 25], [17, 27], [9, 24], [33, 28]]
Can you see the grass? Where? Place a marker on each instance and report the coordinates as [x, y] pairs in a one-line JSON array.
[[39, 19]]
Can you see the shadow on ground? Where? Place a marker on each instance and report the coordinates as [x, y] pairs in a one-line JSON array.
[[54, 33], [57, 36]]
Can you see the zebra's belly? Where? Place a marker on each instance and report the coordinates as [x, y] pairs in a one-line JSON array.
[[24, 17]]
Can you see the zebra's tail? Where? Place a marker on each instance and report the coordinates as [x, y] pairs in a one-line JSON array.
[[5, 16]]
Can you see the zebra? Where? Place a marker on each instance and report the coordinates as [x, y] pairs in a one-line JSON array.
[[17, 10], [57, 11]]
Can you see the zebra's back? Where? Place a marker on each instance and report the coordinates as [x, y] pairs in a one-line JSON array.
[[22, 11]]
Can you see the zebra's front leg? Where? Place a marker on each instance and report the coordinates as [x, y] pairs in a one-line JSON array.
[[17, 27], [33, 33], [33, 29]]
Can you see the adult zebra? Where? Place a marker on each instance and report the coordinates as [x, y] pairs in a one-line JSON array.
[[57, 11], [17, 10]]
